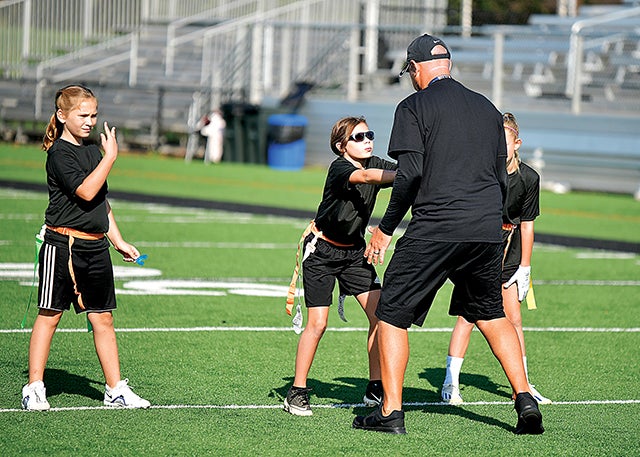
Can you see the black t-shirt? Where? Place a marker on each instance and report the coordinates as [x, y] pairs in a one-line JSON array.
[[345, 209], [451, 151], [523, 196], [67, 166]]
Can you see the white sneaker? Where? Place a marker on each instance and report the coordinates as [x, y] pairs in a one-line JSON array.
[[539, 398], [34, 397], [121, 396], [451, 394]]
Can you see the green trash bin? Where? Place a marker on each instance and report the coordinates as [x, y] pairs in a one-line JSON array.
[[242, 134]]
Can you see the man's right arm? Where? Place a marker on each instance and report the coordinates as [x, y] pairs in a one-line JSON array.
[[405, 189]]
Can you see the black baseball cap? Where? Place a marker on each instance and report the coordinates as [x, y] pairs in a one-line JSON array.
[[420, 51]]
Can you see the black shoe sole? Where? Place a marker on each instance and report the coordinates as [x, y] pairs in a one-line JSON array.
[[378, 428], [530, 423]]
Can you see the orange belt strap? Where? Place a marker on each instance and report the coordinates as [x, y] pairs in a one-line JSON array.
[[76, 233], [73, 234], [510, 228], [311, 228], [291, 294]]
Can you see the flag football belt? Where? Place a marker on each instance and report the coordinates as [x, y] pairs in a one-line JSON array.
[[73, 234], [295, 278], [66, 231]]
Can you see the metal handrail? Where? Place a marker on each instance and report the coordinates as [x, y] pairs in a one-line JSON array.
[[173, 40], [130, 54], [576, 49]]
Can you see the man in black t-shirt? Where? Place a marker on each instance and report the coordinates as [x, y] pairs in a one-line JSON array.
[[451, 152]]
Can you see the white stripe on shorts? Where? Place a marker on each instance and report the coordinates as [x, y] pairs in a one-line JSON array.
[[48, 275]]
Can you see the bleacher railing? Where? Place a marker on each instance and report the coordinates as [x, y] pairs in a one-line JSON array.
[[262, 47], [576, 57]]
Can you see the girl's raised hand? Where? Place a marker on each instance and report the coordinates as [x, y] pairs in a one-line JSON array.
[[109, 142]]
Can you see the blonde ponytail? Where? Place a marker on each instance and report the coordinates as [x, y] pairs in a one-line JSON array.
[[52, 133]]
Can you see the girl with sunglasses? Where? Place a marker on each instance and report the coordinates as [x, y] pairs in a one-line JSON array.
[[334, 251]]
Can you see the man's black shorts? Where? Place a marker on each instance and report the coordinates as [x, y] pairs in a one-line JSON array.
[[419, 268], [329, 263], [88, 284]]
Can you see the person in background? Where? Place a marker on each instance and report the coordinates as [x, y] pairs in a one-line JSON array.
[[334, 251], [74, 261], [212, 127], [520, 211]]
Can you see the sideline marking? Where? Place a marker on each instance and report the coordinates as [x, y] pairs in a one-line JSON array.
[[331, 406], [330, 329]]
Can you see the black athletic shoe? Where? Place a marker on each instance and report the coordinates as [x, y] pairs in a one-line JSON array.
[[376, 422], [297, 401], [373, 395], [529, 416]]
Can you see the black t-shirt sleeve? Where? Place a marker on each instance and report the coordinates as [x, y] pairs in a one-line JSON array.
[[501, 167], [338, 176], [66, 170], [406, 134], [405, 188], [531, 206]]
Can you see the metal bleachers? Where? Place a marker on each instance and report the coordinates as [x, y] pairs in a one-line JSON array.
[[156, 76]]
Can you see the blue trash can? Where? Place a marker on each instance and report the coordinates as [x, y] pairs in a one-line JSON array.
[[286, 148]]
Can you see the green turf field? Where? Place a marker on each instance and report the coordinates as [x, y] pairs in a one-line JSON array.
[[203, 333]]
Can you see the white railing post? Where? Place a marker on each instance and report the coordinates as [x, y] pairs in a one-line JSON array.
[[466, 18], [256, 73], [133, 59], [268, 49], [576, 96], [286, 59], [353, 73], [303, 39], [498, 69], [205, 63], [38, 102], [87, 26], [372, 17], [26, 29], [144, 11], [171, 50]]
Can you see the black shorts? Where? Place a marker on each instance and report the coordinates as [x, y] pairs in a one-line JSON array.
[[88, 284], [513, 255], [419, 268], [329, 263]]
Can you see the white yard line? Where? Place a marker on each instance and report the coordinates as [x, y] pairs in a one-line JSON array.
[[333, 406]]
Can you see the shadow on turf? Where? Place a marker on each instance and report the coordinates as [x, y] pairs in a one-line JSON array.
[[435, 377], [62, 382], [349, 391]]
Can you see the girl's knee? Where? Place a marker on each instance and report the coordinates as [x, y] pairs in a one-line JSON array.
[[101, 319], [317, 327]]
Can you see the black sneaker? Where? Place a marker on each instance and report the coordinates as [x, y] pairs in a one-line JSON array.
[[373, 395], [297, 401], [376, 422], [529, 416]]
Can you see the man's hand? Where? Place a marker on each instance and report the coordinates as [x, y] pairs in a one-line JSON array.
[[522, 278], [378, 244]]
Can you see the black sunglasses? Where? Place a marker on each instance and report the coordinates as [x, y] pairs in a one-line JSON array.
[[360, 136]]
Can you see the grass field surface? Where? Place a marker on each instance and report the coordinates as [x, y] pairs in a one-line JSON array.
[[203, 334]]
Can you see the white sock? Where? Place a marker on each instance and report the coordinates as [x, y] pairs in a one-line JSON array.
[[454, 365]]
